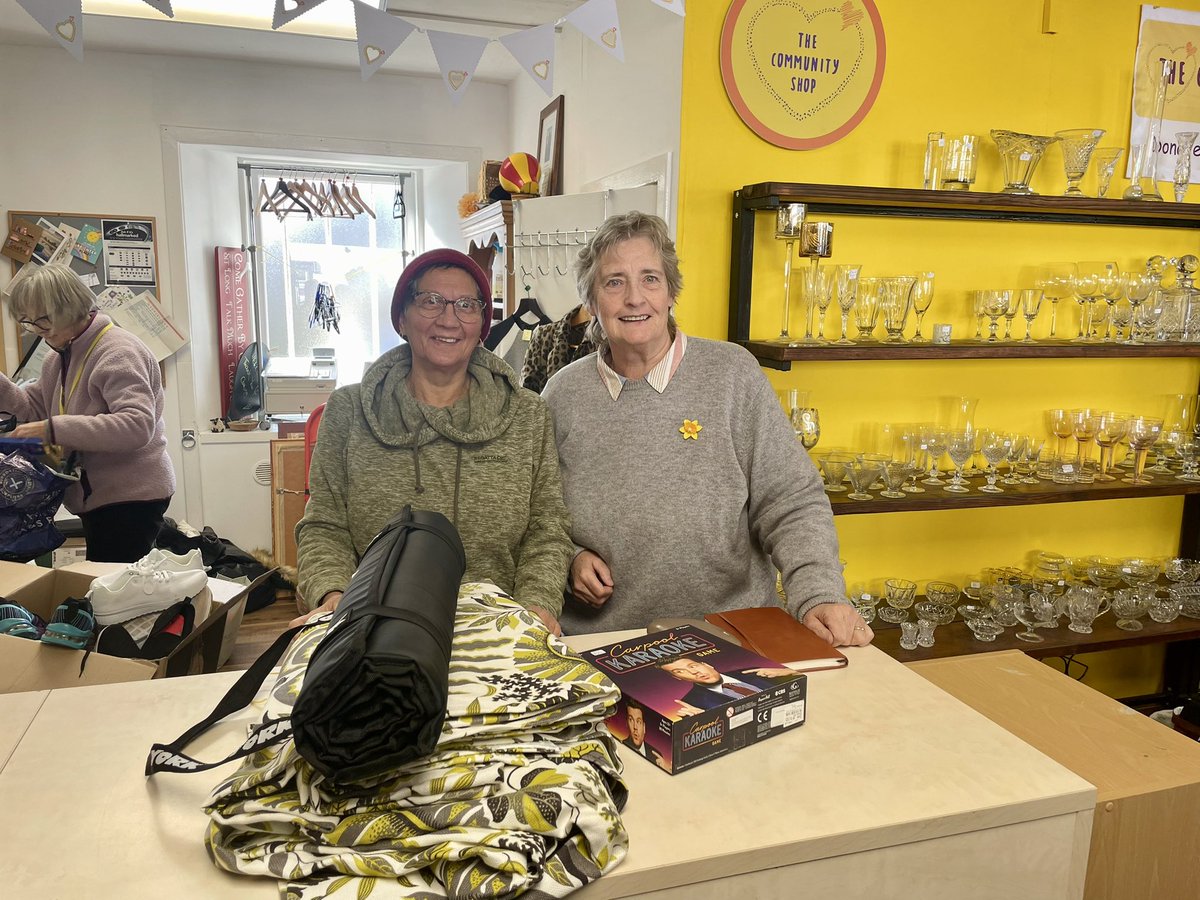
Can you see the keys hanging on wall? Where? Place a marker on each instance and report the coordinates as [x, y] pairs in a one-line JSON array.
[[325, 311]]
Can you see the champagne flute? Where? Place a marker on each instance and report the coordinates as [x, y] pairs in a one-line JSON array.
[[1031, 304], [1057, 281], [922, 297], [845, 279]]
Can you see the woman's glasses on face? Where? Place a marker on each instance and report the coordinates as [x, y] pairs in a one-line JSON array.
[[430, 305], [40, 325]]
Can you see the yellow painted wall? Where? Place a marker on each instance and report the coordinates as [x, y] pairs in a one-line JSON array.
[[958, 67]]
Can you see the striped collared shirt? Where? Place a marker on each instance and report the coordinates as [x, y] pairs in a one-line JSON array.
[[658, 377]]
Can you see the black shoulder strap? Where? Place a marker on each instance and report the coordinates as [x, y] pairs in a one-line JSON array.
[[171, 758]]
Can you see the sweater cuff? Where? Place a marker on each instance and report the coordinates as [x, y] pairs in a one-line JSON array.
[[804, 609]]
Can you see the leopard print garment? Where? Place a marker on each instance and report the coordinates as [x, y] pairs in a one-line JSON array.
[[550, 348]]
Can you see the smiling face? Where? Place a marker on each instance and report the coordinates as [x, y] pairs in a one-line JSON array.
[[633, 301], [442, 344], [637, 725], [692, 670]]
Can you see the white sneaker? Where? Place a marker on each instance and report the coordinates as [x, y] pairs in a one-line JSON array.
[[141, 589], [171, 562]]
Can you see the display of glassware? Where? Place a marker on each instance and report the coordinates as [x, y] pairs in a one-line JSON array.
[[1020, 154], [1077, 147]]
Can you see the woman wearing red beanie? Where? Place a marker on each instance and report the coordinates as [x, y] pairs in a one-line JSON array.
[[442, 424]]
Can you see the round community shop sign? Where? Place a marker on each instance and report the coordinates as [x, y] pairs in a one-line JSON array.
[[800, 73]]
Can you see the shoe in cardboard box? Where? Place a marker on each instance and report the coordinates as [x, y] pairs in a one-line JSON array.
[[27, 665]]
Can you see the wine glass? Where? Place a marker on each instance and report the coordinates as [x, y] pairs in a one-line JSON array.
[[1057, 281], [895, 302], [1143, 432], [1112, 288], [995, 304], [845, 281], [1058, 421], [1147, 316], [995, 448], [1110, 428], [935, 440], [1031, 305], [1138, 288], [1083, 429], [862, 472], [1177, 422], [1106, 163], [922, 297], [1077, 145], [916, 451], [1121, 317], [866, 309], [1012, 307], [806, 422], [1087, 291], [961, 447], [817, 287], [833, 467], [979, 308]]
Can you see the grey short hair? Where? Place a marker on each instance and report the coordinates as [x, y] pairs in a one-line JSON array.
[[55, 292], [615, 230]]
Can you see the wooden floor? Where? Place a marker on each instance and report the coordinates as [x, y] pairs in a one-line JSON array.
[[259, 630]]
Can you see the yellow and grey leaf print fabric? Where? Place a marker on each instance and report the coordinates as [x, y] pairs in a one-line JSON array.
[[520, 798]]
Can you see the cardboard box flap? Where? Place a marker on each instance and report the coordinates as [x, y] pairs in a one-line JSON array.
[[27, 665]]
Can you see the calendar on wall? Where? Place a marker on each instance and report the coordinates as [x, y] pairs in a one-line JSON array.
[[115, 256]]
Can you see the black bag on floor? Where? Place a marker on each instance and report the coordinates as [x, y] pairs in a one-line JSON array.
[[374, 695]]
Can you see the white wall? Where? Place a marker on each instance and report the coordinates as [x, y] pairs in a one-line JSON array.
[[615, 115], [120, 153]]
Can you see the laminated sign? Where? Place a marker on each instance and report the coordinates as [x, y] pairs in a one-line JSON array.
[[802, 74]]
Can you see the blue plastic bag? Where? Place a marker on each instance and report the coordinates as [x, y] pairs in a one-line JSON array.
[[30, 494]]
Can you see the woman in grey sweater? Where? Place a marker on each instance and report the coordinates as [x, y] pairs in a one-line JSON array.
[[686, 486], [442, 424]]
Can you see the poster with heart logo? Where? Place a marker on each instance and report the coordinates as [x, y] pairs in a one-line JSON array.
[[1168, 42], [801, 74]]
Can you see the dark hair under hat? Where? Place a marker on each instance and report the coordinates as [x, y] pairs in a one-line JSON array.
[[437, 259]]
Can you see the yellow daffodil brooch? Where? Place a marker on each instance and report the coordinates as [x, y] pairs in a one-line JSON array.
[[690, 428]]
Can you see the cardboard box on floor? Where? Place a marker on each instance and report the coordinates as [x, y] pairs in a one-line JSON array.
[[27, 665]]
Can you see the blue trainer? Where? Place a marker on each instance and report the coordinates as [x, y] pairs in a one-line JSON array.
[[72, 624], [17, 621]]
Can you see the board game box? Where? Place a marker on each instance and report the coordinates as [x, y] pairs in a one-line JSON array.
[[689, 697]]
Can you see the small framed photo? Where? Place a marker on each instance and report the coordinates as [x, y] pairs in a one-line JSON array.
[[550, 148]]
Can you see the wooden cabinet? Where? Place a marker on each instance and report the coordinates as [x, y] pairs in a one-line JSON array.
[[287, 497], [494, 225], [1146, 827]]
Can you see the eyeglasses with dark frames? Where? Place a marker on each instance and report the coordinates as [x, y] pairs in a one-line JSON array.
[[430, 304], [40, 325]]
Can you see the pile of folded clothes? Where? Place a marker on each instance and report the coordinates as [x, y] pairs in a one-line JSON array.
[[140, 612], [522, 793]]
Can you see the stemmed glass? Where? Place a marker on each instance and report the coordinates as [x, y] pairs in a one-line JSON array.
[[866, 309], [1147, 316], [1012, 307], [995, 305], [961, 447], [806, 422], [895, 303], [916, 453], [1083, 429], [1138, 287], [833, 467], [845, 281], [979, 307], [1121, 318], [1143, 432], [1058, 421], [1031, 305], [788, 219], [935, 440], [862, 472], [1178, 421], [922, 297], [1186, 141], [1016, 452], [1088, 289], [1110, 428], [1112, 288], [1028, 462], [1057, 281], [995, 447], [817, 287], [1077, 146], [1106, 163]]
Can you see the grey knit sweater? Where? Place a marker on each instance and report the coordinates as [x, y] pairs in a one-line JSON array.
[[488, 464], [690, 527]]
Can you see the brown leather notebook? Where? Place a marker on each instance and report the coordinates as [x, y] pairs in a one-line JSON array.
[[769, 631]]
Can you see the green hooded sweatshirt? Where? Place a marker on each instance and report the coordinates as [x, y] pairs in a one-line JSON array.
[[488, 463]]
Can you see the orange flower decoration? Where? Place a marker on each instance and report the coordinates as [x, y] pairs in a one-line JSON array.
[[690, 428]]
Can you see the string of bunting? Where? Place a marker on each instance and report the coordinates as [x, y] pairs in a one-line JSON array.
[[379, 34]]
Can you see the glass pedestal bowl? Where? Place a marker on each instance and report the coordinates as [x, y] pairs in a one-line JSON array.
[[1020, 154]]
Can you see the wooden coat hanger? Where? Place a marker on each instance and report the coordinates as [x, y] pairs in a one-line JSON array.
[[267, 204], [286, 202], [358, 198]]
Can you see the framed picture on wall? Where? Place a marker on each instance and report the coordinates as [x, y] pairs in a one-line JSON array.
[[550, 148]]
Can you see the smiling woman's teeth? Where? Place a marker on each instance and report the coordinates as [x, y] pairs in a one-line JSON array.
[[634, 318]]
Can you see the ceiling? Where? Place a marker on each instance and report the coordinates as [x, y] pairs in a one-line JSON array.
[[159, 35]]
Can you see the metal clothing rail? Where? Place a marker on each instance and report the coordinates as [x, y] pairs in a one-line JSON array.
[[330, 171]]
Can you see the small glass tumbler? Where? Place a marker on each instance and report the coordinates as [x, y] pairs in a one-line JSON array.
[[935, 151], [908, 635], [925, 632]]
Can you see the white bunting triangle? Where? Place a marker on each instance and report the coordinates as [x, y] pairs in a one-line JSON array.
[[457, 56], [675, 6], [63, 19], [533, 48], [598, 20], [379, 34], [163, 6], [287, 10]]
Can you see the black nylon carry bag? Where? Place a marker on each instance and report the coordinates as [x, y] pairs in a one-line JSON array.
[[374, 694], [375, 688]]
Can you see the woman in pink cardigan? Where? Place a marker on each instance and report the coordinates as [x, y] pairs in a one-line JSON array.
[[100, 393]]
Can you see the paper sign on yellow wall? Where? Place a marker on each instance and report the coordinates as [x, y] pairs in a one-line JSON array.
[[802, 74]]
